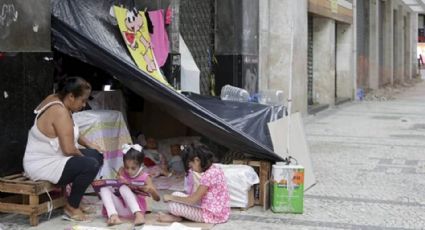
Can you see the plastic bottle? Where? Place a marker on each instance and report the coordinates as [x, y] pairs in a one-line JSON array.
[[231, 93], [271, 97]]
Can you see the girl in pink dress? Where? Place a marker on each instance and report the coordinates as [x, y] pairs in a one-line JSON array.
[[210, 202], [129, 200]]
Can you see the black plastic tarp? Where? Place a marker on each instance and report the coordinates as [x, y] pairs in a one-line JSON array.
[[84, 30], [251, 118]]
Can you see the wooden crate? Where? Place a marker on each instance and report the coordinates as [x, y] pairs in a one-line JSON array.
[[263, 169], [27, 197]]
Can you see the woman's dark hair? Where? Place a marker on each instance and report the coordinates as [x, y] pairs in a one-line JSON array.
[[75, 85], [134, 155], [202, 152]]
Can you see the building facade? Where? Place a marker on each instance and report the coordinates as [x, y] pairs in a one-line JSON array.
[[340, 48]]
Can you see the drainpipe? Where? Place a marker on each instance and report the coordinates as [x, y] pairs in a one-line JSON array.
[[354, 45]]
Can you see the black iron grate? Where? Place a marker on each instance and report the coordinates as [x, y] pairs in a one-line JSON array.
[[310, 61], [197, 29]]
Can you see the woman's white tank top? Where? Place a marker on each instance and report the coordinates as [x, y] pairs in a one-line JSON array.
[[44, 159]]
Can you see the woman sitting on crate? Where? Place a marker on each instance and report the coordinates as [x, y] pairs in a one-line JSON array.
[[51, 153]]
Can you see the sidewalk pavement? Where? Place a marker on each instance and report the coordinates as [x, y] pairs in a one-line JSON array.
[[369, 161]]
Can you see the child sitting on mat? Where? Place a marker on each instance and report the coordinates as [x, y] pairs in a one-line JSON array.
[[210, 202], [130, 200], [155, 162], [175, 164]]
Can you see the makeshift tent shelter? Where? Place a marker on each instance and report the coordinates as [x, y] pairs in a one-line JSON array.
[[84, 30]]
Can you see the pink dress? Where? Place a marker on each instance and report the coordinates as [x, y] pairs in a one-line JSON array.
[[139, 197], [216, 202]]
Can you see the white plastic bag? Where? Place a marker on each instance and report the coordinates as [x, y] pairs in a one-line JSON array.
[[239, 180]]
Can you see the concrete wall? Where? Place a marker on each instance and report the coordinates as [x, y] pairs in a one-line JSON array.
[[344, 61], [275, 19], [414, 43], [378, 49], [263, 48], [387, 23], [324, 60], [390, 44], [362, 49], [407, 47], [398, 45], [374, 44]]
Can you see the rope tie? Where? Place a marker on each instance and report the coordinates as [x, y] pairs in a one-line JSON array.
[[49, 204], [290, 160]]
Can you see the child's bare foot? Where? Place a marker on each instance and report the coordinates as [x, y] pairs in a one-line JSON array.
[[114, 220], [139, 218], [163, 217]]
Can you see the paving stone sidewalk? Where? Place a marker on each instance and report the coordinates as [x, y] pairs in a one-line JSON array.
[[369, 160]]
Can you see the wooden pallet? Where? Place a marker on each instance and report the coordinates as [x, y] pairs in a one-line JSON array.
[[27, 197]]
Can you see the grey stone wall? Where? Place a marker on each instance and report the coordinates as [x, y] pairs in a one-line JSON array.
[[26, 78]]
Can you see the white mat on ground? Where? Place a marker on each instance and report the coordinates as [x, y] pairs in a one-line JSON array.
[[151, 220], [173, 226], [82, 227]]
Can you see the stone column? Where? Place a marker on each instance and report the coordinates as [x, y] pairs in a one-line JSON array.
[[401, 45], [344, 61], [398, 53], [387, 20], [275, 41], [324, 60], [263, 48], [354, 46], [174, 30], [407, 46], [374, 44], [414, 43], [362, 45]]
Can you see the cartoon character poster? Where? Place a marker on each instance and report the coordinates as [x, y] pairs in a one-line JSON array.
[[134, 28]]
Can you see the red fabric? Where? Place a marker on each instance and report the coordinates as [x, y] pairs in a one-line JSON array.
[[168, 13], [148, 162], [130, 37]]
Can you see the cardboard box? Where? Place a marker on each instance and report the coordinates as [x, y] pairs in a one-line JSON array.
[[262, 168], [266, 196], [250, 199]]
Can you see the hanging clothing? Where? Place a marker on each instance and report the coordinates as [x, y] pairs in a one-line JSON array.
[[159, 38]]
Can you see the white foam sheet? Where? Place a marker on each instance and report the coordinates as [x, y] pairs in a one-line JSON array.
[[190, 72], [298, 144]]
